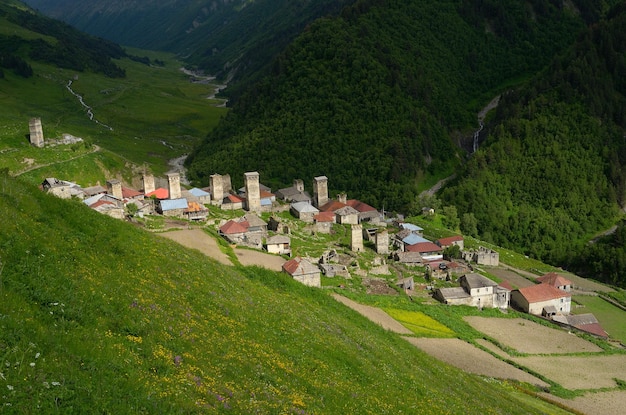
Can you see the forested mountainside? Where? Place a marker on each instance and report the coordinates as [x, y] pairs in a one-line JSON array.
[[377, 98], [58, 44], [551, 172], [232, 39]]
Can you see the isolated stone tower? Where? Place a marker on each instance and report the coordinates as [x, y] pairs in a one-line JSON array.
[[173, 181], [217, 188], [356, 243], [36, 132], [320, 191], [148, 183], [114, 188], [382, 242], [253, 191]]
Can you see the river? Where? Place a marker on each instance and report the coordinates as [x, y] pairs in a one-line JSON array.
[[82, 102]]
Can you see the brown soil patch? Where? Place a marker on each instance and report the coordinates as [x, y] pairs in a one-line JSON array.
[[377, 315], [599, 403], [515, 279], [528, 337], [470, 359], [578, 372], [200, 240], [248, 257], [378, 286]]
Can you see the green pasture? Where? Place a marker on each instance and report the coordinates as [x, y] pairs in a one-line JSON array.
[[611, 318], [155, 112]]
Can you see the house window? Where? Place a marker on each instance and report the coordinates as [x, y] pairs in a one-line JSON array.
[[561, 300]]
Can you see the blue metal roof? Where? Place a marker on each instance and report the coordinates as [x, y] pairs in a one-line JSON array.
[[199, 192], [171, 204], [413, 239], [411, 227]]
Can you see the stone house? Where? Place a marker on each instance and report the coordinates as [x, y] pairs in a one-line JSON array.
[[450, 241], [347, 215], [303, 271], [304, 211], [173, 207], [295, 193], [200, 195], [278, 244], [428, 250], [482, 256], [107, 205], [542, 299], [408, 258], [62, 189], [196, 211], [234, 231], [366, 212], [475, 290], [231, 202], [557, 281], [324, 222]]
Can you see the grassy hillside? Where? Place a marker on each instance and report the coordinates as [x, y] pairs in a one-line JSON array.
[[380, 99], [154, 112], [97, 314]]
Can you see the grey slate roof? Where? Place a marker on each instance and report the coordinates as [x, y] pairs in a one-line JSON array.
[[478, 281]]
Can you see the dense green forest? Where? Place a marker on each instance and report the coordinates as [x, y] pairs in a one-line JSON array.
[[550, 174], [378, 98], [59, 44]]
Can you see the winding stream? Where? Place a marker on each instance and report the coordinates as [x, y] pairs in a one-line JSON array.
[[82, 102]]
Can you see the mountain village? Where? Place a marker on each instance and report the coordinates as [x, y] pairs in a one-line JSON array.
[[395, 242]]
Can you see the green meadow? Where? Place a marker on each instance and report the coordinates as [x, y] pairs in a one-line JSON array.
[[610, 317], [155, 113]]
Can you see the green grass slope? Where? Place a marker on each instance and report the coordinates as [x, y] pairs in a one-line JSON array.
[[96, 315]]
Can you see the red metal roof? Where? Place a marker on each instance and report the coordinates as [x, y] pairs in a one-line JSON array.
[[332, 206], [325, 217], [159, 193], [128, 193], [542, 292], [234, 199], [360, 206], [299, 266], [554, 279], [232, 227], [450, 240], [423, 247]]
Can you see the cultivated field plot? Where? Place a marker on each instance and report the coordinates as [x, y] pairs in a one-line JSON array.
[[470, 359], [586, 284], [249, 257], [598, 403], [578, 372], [528, 337], [516, 280], [375, 314]]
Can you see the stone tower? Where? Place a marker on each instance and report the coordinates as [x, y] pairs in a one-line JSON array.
[[382, 242], [320, 191], [148, 183], [356, 243], [173, 181], [36, 132], [114, 188], [217, 188], [298, 184], [253, 191], [342, 198]]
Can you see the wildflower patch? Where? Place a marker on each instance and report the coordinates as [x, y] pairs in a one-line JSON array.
[[420, 324]]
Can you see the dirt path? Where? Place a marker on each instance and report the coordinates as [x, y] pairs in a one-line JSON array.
[[375, 314], [249, 257], [200, 240]]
